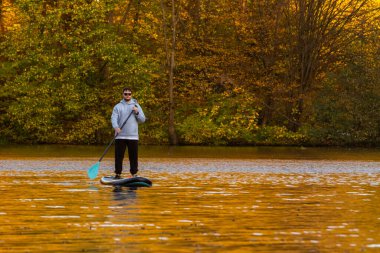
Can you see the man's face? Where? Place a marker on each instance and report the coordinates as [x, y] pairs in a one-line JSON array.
[[127, 94]]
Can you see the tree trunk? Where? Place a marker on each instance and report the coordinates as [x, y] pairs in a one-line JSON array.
[[137, 16], [2, 29], [173, 140], [125, 15], [170, 66]]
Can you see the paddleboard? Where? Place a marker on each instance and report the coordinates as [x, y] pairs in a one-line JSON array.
[[128, 182]]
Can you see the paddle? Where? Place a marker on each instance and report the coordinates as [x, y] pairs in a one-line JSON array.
[[92, 172]]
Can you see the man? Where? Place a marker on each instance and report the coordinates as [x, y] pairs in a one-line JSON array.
[[128, 135]]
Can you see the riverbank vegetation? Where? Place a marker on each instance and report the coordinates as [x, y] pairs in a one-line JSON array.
[[288, 72]]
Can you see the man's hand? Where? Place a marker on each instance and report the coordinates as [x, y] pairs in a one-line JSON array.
[[136, 110], [117, 130]]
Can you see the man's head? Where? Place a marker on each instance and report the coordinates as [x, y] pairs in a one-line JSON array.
[[127, 94]]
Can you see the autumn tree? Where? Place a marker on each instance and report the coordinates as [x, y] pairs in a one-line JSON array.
[[346, 108], [170, 43], [69, 64], [318, 31]]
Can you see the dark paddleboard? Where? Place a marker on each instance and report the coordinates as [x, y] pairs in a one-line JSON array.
[[128, 182]]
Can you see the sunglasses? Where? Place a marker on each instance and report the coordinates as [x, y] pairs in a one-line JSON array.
[[127, 94]]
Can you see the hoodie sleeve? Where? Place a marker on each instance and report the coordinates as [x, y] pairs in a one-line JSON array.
[[141, 116], [115, 117]]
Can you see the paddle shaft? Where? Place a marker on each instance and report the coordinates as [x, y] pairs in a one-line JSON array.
[[109, 145]]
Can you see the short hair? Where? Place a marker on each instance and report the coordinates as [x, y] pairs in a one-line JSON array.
[[127, 88]]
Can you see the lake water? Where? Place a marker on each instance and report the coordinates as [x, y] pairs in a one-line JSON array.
[[203, 199]]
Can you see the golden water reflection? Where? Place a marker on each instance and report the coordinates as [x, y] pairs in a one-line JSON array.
[[60, 210]]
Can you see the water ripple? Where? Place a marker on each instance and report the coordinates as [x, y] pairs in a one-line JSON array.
[[195, 205]]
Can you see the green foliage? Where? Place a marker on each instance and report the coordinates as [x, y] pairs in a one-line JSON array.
[[68, 63], [347, 109], [230, 119], [276, 135]]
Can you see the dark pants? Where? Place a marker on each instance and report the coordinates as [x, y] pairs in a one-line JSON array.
[[120, 146]]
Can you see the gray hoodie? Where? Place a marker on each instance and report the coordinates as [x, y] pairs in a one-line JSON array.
[[120, 113]]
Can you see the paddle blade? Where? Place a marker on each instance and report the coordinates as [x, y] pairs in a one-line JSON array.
[[92, 172]]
